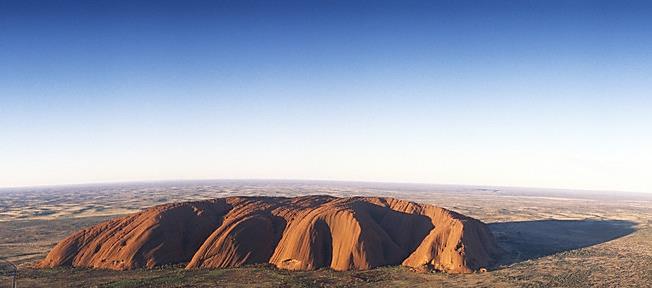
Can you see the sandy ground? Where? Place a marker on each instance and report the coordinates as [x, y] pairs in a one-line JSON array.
[[552, 238]]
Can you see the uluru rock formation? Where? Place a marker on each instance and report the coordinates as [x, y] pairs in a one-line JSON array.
[[300, 233]]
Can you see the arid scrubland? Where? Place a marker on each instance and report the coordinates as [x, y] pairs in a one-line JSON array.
[[551, 238]]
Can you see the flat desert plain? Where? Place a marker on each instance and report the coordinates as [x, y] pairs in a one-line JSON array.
[[551, 238]]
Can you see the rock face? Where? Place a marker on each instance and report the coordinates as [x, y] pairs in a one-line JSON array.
[[301, 233]]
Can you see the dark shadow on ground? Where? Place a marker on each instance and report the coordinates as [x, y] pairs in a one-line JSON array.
[[525, 240]]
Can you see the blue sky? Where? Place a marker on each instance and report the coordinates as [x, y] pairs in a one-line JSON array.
[[517, 93]]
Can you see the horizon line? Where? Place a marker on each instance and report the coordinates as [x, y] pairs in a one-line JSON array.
[[153, 181]]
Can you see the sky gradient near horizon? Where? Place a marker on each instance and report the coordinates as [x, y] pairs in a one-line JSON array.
[[518, 93]]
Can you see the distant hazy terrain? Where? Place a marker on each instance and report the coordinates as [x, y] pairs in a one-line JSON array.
[[551, 237], [58, 202]]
